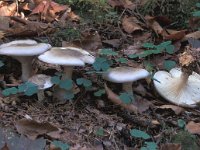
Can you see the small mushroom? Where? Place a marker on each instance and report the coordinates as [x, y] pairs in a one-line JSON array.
[[126, 76], [178, 87], [68, 57], [24, 51], [43, 82]]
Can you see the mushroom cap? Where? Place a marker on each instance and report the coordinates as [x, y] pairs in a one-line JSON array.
[[176, 89], [125, 74], [18, 42], [25, 49], [41, 80], [67, 56]]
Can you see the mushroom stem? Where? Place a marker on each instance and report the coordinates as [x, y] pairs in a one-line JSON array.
[[40, 95], [68, 70], [127, 87], [26, 63]]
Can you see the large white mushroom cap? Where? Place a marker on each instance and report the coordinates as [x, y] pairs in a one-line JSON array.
[[175, 88], [18, 42], [125, 74], [23, 49], [67, 56]]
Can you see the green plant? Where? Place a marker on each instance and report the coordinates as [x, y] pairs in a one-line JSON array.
[[155, 49], [27, 88], [126, 97], [143, 135], [61, 145]]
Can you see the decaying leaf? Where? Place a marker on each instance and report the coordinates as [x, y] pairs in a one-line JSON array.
[[116, 100], [48, 9], [90, 42], [33, 129], [185, 59], [170, 146], [194, 35], [177, 110], [154, 25], [113, 42], [122, 3], [193, 128], [130, 24], [8, 10], [2, 34], [175, 35]]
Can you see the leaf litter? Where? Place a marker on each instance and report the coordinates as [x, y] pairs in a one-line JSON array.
[[82, 124]]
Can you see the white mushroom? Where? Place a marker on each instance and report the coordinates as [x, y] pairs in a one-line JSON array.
[[24, 51], [125, 75], [68, 57], [177, 87], [43, 82]]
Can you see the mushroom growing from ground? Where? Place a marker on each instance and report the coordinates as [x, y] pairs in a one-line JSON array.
[[126, 76], [43, 82], [178, 87], [68, 57], [24, 51]]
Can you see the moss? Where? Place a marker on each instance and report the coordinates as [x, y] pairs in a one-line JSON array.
[[187, 140], [177, 10]]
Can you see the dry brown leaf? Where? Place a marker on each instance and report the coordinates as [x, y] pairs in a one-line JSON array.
[[113, 42], [130, 24], [2, 34], [194, 35], [154, 25], [177, 110], [141, 104], [177, 35], [4, 23], [122, 3], [8, 10], [90, 42], [116, 100], [170, 146], [33, 129], [193, 128], [5, 147]]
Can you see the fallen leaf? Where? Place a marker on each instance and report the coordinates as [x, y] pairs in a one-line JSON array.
[[113, 42], [194, 35], [8, 10], [175, 36], [154, 25], [141, 104], [116, 100], [4, 23], [33, 129], [170, 146], [177, 110], [130, 24], [90, 42], [5, 147], [122, 3], [193, 128]]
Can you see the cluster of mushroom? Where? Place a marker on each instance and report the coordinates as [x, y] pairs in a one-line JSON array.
[[175, 86]]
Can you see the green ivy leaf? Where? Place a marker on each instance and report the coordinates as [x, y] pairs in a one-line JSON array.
[[169, 64], [1, 63], [61, 145], [122, 60], [149, 146], [30, 89], [149, 45], [100, 132], [181, 123], [108, 52], [164, 45], [196, 14], [9, 91], [55, 80], [139, 134], [170, 49], [101, 63], [66, 84], [126, 98], [85, 82], [99, 92]]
